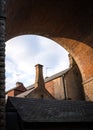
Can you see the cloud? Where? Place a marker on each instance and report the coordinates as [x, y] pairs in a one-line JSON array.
[[24, 52]]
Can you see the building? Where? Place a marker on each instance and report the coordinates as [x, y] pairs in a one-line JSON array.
[[20, 88], [65, 85], [48, 114], [70, 23], [39, 103], [39, 90]]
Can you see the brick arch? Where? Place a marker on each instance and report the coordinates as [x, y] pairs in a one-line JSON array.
[[83, 55], [81, 52], [70, 25], [58, 19]]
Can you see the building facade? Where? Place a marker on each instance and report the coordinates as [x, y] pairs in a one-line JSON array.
[[65, 85]]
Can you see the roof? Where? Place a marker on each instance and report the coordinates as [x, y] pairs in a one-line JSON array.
[[16, 87], [10, 89], [61, 73], [23, 94], [46, 80], [45, 110], [31, 87], [57, 75]]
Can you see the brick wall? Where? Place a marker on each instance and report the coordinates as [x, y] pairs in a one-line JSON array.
[[2, 64], [88, 87], [55, 87], [11, 93], [50, 87], [77, 39], [17, 90]]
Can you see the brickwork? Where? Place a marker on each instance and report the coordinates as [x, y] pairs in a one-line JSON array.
[[56, 20], [82, 54], [39, 80], [16, 90], [50, 87], [55, 87], [2, 64], [88, 87], [40, 91], [11, 93]]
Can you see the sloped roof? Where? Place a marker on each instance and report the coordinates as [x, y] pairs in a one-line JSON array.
[[46, 80], [31, 87], [38, 92], [52, 77], [17, 87], [57, 75], [44, 110], [25, 93], [10, 89]]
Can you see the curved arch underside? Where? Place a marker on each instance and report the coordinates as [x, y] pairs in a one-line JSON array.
[[68, 22]]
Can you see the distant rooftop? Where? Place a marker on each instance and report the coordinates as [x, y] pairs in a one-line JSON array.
[[25, 93], [59, 74]]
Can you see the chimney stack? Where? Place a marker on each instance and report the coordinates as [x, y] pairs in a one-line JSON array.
[[39, 81], [19, 84]]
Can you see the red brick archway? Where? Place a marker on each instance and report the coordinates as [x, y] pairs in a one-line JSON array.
[[83, 55], [69, 23]]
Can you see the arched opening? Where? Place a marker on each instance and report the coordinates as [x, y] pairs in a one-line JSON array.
[[24, 52], [55, 20], [28, 50]]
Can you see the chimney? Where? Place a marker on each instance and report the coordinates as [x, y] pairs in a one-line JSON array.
[[19, 84], [39, 81], [71, 61]]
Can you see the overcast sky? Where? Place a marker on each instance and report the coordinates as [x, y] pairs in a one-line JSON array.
[[24, 52]]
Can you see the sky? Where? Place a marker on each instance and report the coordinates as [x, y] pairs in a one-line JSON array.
[[24, 52]]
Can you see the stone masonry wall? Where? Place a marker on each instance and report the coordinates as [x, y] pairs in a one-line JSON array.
[[88, 87], [2, 64]]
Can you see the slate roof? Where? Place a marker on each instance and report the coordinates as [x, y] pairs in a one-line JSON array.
[[57, 75], [24, 94], [44, 110], [52, 77], [30, 88]]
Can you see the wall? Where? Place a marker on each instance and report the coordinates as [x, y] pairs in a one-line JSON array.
[[58, 88], [55, 87], [73, 84], [16, 92], [56, 20], [19, 90], [50, 87], [11, 93], [88, 87], [40, 93], [2, 64]]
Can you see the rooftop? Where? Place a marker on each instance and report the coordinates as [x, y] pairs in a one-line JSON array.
[[45, 110], [57, 75]]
